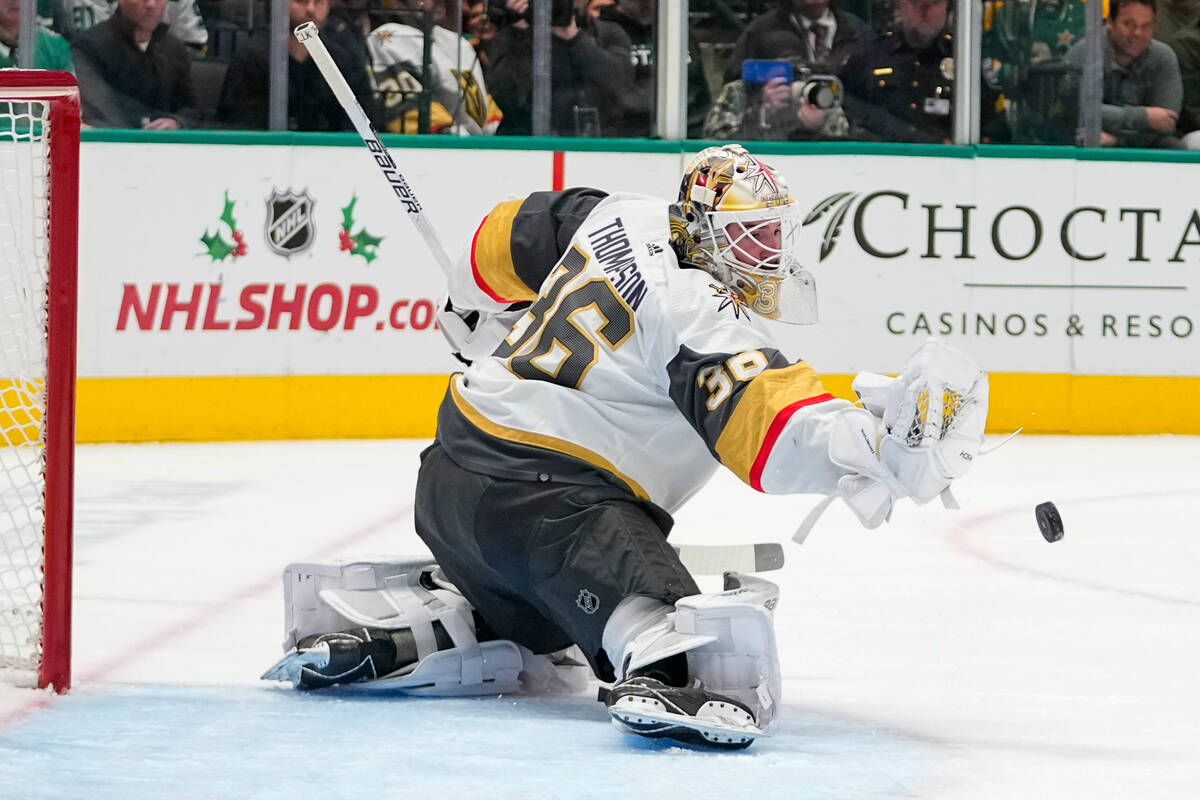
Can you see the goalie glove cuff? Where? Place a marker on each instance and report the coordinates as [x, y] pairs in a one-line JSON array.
[[871, 502], [870, 490], [916, 469]]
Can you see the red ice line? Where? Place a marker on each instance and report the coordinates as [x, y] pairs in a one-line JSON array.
[[177, 628]]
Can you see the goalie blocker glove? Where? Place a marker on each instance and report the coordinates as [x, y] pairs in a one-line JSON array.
[[474, 334]]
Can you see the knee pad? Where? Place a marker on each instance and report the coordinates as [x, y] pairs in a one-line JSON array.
[[728, 638], [396, 595]]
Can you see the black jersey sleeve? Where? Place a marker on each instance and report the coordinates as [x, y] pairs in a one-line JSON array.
[[740, 402]]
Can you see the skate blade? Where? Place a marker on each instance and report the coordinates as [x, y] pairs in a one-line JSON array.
[[718, 723], [288, 668]]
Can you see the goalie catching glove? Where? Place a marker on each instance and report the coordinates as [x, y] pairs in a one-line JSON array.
[[914, 435]]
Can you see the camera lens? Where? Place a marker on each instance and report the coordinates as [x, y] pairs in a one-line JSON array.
[[820, 94]]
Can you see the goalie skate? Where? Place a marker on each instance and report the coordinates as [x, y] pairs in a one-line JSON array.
[[691, 714]]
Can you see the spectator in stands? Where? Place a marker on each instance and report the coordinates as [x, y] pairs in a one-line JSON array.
[[1186, 44], [478, 28], [591, 71], [133, 73], [637, 18], [774, 111], [351, 21], [1024, 56], [1143, 91], [73, 17], [1014, 33], [899, 85], [1174, 16], [50, 51], [312, 106], [815, 33], [459, 100]]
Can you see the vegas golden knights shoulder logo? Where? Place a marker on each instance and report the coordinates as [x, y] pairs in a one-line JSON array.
[[290, 226], [474, 103]]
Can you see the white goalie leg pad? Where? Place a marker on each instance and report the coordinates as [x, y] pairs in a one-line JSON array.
[[641, 631], [743, 660], [729, 639], [326, 598], [561, 672]]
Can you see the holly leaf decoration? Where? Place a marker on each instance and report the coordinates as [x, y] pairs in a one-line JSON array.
[[348, 213], [365, 245], [218, 248], [227, 214]]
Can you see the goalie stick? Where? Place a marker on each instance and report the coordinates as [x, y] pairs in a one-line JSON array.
[[716, 559], [699, 559], [308, 36]]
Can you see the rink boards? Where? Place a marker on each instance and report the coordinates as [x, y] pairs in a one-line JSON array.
[[267, 286]]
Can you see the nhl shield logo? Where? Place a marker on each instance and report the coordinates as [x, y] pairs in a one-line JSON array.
[[587, 601], [290, 226]]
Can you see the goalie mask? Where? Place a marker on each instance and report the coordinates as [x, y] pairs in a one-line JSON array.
[[736, 220]]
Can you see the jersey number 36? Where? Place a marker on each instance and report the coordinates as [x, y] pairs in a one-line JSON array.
[[559, 339]]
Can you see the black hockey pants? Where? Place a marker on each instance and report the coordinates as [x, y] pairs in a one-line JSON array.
[[545, 564]]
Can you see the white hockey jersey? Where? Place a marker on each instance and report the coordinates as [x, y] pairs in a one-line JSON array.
[[626, 367], [461, 104]]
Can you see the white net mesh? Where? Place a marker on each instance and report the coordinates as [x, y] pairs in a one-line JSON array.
[[24, 265]]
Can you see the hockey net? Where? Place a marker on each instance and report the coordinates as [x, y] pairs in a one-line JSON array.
[[39, 157]]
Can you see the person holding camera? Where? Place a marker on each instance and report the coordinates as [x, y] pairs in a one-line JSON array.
[[816, 38], [776, 101], [590, 67], [814, 32]]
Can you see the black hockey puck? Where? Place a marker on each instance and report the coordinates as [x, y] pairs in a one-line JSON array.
[[1049, 522]]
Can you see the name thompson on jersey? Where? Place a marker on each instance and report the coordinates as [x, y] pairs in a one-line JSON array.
[[617, 357], [625, 368]]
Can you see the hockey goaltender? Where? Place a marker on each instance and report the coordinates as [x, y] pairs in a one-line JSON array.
[[614, 362]]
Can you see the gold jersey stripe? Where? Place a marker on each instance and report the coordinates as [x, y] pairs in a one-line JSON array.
[[491, 256], [769, 393], [540, 440]]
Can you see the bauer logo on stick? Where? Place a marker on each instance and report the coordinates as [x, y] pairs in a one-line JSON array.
[[290, 226]]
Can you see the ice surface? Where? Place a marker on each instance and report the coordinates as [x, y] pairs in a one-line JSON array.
[[949, 654]]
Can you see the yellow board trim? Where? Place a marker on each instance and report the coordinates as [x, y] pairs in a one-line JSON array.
[[540, 440], [405, 406], [1086, 405], [275, 407]]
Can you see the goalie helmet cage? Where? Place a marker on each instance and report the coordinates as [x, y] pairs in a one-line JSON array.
[[39, 191]]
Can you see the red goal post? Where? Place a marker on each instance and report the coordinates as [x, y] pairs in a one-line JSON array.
[[39, 193]]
